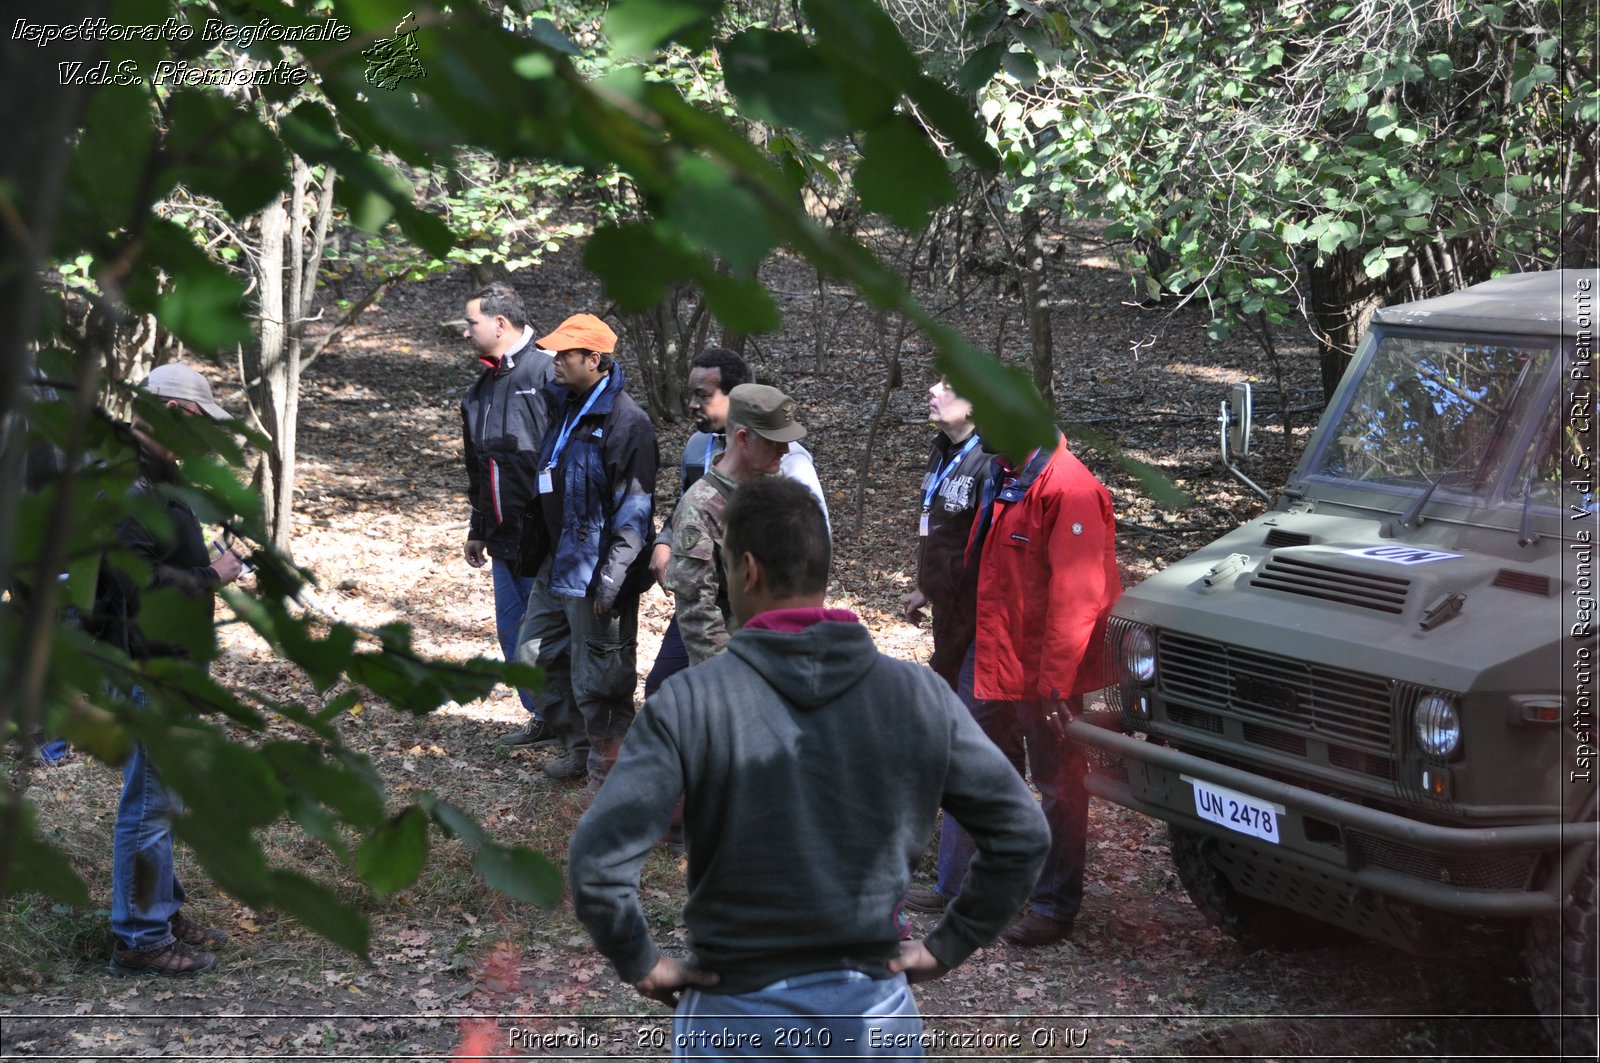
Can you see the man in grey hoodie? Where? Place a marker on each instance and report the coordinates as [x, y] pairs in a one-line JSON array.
[[812, 768]]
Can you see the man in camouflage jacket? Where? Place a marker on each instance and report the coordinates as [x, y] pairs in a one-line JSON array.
[[761, 425]]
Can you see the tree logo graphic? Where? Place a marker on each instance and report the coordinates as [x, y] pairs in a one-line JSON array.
[[394, 59]]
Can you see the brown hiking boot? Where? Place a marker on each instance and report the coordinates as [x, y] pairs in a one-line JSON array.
[[1034, 931], [927, 901], [196, 936], [175, 960], [572, 766], [530, 735]]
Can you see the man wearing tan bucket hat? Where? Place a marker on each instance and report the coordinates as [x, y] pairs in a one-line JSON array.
[[761, 425]]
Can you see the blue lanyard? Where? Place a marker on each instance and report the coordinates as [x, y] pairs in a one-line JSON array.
[[572, 422], [944, 474], [711, 440]]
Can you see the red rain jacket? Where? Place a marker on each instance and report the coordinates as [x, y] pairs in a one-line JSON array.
[[1047, 577]]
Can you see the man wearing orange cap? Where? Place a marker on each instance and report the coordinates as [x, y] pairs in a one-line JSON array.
[[592, 521]]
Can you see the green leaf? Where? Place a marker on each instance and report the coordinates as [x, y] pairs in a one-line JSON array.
[[319, 908], [980, 67], [220, 150], [901, 175], [116, 124], [1021, 66], [455, 822], [638, 27], [1157, 486], [1008, 410], [717, 214], [425, 230], [954, 118], [392, 856], [778, 78], [635, 264], [740, 303], [1381, 120], [36, 865], [520, 873], [171, 618], [341, 779], [1440, 66], [202, 302], [226, 786]]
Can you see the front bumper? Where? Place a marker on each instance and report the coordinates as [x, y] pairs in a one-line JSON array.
[[1335, 853]]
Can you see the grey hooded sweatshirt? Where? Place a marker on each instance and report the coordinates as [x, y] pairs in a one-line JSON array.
[[812, 768]]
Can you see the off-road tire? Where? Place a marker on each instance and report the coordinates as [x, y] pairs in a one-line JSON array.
[[1560, 954], [1254, 923]]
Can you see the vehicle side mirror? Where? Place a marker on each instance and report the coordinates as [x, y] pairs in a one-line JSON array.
[[1238, 419], [1234, 420]]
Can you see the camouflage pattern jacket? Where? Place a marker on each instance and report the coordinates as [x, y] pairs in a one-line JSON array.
[[695, 574]]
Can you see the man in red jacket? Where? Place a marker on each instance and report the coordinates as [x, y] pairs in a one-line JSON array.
[[1044, 544]]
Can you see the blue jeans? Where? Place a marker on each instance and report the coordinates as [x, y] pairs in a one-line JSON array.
[[1019, 729], [589, 666], [510, 602], [145, 891], [841, 1014], [671, 659]]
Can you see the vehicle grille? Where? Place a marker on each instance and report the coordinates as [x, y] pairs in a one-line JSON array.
[[1278, 537], [1479, 871], [1327, 715], [1528, 582], [1330, 583]]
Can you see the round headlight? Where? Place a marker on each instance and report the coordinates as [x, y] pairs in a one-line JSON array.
[[1139, 656], [1438, 725]]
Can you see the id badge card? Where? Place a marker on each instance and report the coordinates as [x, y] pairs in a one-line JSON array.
[[546, 482], [922, 526]]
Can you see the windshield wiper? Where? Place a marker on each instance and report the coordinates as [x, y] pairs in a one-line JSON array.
[[1413, 513], [1408, 519]]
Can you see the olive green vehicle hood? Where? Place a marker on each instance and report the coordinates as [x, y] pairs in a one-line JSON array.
[[1337, 594]]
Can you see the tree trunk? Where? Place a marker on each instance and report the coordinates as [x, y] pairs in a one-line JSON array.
[[267, 366], [892, 381], [290, 255], [1036, 294]]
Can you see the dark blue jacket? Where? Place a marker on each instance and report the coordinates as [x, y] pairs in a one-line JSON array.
[[598, 517]]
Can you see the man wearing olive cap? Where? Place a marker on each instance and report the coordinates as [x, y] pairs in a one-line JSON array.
[[761, 425], [591, 522]]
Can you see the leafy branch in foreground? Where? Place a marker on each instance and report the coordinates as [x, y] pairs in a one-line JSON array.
[[709, 195]]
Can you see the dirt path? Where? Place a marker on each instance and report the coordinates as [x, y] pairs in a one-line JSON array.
[[381, 519]]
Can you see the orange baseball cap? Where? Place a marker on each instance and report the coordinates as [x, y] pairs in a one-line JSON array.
[[583, 331]]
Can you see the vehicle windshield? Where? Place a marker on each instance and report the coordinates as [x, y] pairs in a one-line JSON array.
[[1555, 469], [1436, 408]]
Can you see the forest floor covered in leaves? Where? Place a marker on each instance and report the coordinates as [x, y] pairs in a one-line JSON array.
[[456, 968]]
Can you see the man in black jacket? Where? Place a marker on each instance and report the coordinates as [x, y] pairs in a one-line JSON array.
[[152, 935], [503, 419], [596, 482], [956, 466]]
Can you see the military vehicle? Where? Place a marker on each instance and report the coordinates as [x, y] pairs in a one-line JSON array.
[[1372, 707]]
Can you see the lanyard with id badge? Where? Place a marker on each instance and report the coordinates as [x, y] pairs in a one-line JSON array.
[[938, 481], [547, 474]]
